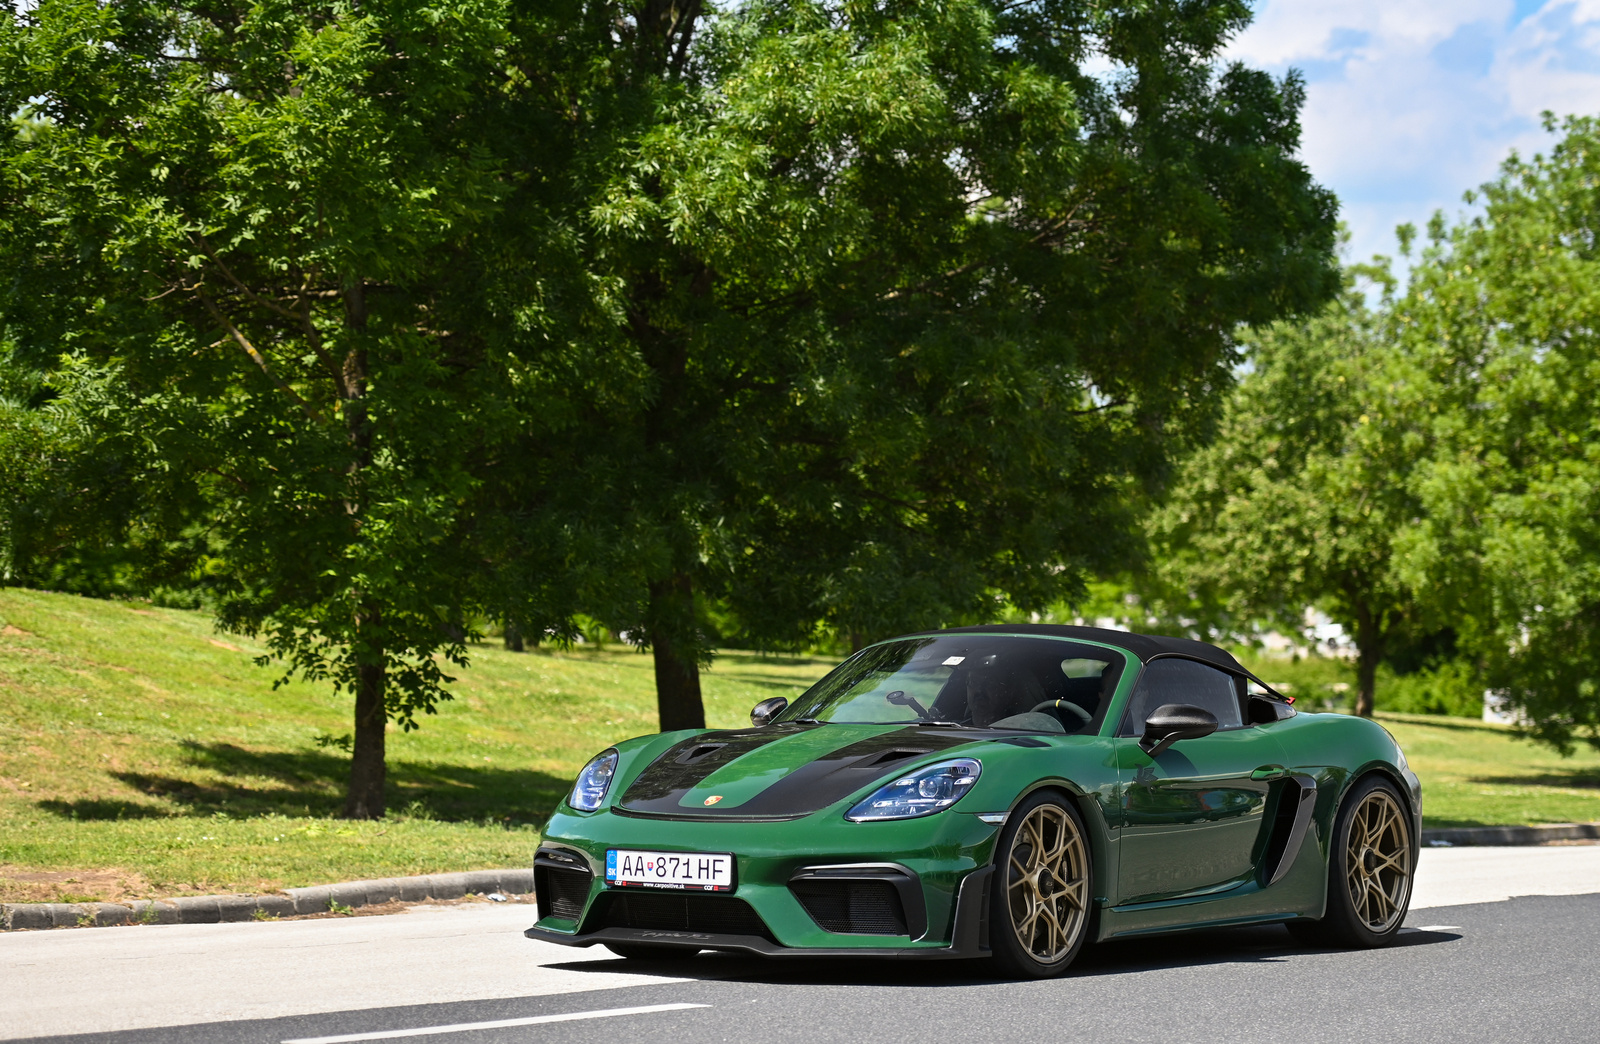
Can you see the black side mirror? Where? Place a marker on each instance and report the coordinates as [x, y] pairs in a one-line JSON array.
[[763, 712], [1172, 722]]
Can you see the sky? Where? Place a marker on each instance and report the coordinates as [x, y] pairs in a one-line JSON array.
[[1410, 103]]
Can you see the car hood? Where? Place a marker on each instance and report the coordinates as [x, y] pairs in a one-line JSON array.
[[778, 772]]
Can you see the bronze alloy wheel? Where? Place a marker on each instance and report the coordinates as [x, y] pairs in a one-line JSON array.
[[1047, 883], [1378, 861]]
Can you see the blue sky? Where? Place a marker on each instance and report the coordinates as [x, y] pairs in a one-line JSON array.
[[1412, 102]]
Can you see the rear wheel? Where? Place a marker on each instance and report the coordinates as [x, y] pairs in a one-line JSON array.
[[647, 952], [1369, 870], [1041, 890]]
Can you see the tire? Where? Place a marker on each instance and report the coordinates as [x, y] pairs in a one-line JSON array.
[[1370, 868], [647, 952], [1042, 889]]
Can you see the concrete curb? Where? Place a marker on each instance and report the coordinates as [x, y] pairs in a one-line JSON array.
[[212, 909], [1512, 835]]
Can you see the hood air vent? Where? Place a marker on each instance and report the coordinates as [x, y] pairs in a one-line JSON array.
[[695, 753]]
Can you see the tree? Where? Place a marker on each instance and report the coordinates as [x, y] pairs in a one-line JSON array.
[[1306, 496], [261, 237], [906, 296], [1500, 322]]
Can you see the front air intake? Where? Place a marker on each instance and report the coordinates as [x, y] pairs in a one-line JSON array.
[[561, 891], [680, 912], [852, 907]]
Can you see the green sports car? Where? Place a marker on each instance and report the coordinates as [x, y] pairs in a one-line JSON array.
[[1008, 792]]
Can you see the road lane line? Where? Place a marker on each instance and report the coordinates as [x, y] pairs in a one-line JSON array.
[[463, 1027]]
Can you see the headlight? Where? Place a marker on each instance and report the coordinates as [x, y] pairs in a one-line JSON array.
[[593, 782], [920, 793]]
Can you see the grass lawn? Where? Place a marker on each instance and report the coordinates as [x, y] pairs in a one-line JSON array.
[[145, 755]]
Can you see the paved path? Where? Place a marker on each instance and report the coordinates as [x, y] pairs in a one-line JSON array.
[[1526, 963]]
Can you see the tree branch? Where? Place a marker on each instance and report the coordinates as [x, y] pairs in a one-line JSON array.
[[250, 350]]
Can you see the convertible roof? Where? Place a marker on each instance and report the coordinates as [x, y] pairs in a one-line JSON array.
[[1144, 646]]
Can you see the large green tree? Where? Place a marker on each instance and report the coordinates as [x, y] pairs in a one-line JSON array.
[[261, 240], [860, 313], [903, 298], [1306, 494], [1502, 328]]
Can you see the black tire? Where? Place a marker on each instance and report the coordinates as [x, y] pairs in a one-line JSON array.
[[647, 952], [1041, 894], [1370, 866]]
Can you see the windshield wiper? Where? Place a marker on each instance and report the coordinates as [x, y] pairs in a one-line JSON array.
[[807, 721], [942, 724]]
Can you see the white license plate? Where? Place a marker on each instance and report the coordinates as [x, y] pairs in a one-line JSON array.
[[695, 871]]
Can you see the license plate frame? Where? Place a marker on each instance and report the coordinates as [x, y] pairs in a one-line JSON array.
[[663, 873]]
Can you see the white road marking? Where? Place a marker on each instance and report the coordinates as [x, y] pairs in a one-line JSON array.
[[1437, 928], [463, 1027]]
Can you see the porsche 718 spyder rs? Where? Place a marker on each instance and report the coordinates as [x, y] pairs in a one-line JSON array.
[[1004, 791]]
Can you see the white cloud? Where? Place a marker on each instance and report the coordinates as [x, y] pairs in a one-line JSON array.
[[1409, 105]]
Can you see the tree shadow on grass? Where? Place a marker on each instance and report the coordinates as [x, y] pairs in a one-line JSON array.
[[242, 782], [1584, 779], [102, 809]]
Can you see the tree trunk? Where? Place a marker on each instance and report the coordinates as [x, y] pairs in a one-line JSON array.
[[672, 641], [1370, 641], [364, 799], [513, 637], [1366, 681]]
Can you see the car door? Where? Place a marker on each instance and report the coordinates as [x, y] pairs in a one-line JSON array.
[[1193, 816]]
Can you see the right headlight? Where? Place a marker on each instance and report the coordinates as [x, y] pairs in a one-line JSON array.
[[920, 793], [593, 782]]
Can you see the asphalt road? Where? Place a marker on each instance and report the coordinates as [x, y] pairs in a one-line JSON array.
[[1472, 965]]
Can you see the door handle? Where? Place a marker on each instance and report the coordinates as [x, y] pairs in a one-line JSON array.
[[1268, 772]]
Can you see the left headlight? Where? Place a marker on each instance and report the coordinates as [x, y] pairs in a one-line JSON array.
[[593, 782], [920, 793]]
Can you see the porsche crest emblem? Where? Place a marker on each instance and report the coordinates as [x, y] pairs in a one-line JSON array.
[[713, 799]]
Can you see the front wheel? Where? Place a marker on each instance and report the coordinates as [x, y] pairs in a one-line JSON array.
[[1041, 891], [1369, 871]]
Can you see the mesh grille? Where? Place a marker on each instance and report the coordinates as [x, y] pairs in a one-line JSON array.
[[674, 912], [561, 892], [852, 907]]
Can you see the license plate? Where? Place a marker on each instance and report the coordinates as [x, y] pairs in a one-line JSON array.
[[694, 871]]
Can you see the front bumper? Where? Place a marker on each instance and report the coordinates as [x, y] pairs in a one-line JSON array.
[[786, 899], [970, 937]]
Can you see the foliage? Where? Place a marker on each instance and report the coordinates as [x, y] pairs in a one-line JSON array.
[[911, 297], [1306, 491], [256, 237], [864, 314], [1500, 325]]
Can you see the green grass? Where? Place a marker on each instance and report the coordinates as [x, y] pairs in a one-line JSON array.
[[143, 755], [1475, 774]]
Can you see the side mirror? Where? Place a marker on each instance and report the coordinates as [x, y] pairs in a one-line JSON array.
[[1172, 722], [763, 713]]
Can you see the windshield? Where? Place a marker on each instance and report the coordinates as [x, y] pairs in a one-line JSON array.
[[973, 680]]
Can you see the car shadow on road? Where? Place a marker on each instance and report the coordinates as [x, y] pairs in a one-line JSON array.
[[1244, 945]]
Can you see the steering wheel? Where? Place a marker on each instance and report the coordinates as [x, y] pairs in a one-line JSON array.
[[1071, 708]]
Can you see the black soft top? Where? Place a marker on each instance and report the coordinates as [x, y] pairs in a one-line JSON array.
[[1144, 646]]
